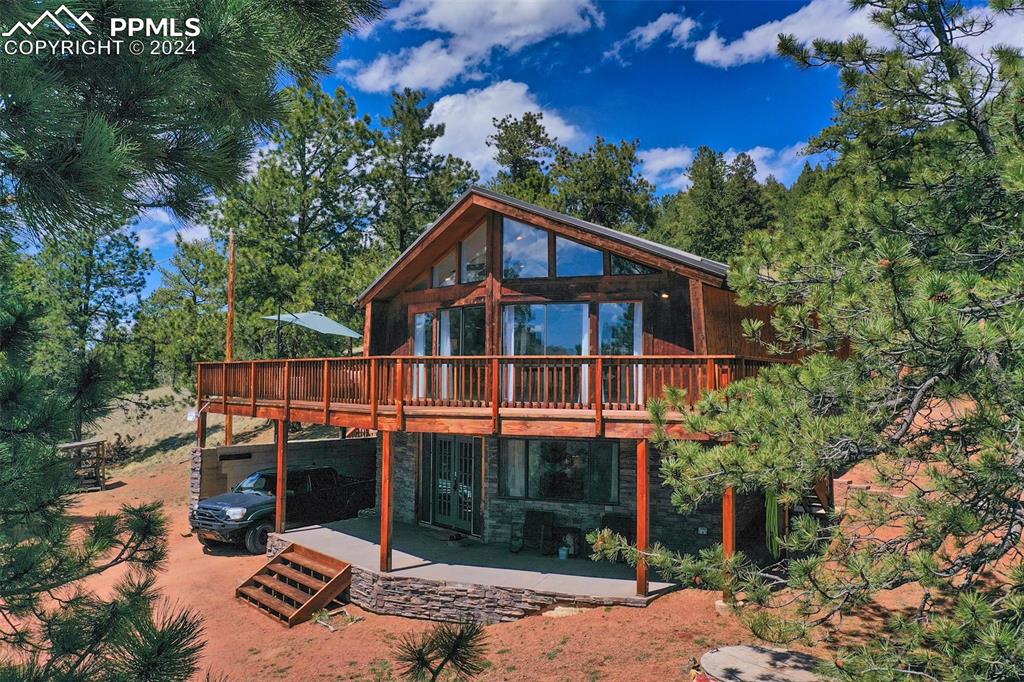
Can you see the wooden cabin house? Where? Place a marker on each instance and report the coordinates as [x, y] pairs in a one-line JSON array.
[[509, 355]]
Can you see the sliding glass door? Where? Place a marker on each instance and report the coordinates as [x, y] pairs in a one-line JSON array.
[[546, 329], [422, 345], [462, 331], [620, 332]]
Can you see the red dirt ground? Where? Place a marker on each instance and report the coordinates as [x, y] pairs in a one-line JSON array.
[[600, 644]]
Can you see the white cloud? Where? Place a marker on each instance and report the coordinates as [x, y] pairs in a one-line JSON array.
[[668, 167], [1007, 29], [834, 20], [642, 37], [827, 19], [473, 30], [157, 227], [468, 119]]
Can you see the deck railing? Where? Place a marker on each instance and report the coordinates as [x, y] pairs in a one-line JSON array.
[[575, 382]]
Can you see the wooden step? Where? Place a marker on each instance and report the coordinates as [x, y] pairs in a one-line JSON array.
[[271, 583], [323, 565], [296, 605], [277, 607], [286, 571]]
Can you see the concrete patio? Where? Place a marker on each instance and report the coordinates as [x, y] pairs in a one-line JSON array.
[[425, 555]]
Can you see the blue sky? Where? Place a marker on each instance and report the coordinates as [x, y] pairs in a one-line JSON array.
[[672, 75]]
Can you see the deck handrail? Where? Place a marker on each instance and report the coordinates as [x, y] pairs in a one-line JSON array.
[[597, 383]]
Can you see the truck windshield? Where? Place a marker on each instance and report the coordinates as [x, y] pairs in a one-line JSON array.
[[262, 484]]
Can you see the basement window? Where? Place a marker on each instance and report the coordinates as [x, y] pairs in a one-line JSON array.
[[559, 470]]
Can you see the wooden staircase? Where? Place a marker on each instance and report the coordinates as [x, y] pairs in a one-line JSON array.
[[295, 584]]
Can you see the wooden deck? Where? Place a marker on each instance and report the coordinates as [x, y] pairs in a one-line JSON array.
[[568, 396]]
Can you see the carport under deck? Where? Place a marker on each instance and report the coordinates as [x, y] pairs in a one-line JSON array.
[[432, 578]]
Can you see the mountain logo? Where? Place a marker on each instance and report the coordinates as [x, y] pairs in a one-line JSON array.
[[55, 17]]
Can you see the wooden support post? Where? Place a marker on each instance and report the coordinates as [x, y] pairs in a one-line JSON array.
[[495, 395], [728, 529], [200, 414], [201, 429], [643, 510], [229, 336], [282, 476], [224, 387], [598, 397], [399, 394], [252, 387], [373, 393], [700, 339], [367, 327], [386, 512], [327, 392]]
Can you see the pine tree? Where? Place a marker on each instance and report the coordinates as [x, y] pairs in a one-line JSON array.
[[93, 140], [53, 629], [410, 183], [182, 321], [746, 206], [603, 185], [918, 278], [525, 153], [301, 221], [89, 282], [91, 137]]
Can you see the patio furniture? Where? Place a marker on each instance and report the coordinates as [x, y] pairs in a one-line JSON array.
[[623, 524], [569, 536], [88, 463], [535, 532]]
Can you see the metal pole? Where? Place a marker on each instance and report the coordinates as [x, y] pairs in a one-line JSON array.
[[277, 330]]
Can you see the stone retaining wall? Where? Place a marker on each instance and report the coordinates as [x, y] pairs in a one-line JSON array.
[[413, 597], [195, 478]]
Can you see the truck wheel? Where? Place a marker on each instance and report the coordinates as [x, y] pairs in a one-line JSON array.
[[256, 537]]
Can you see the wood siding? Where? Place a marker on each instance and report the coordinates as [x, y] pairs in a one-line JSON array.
[[665, 296], [723, 320]]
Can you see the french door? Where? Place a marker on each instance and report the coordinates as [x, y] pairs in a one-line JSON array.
[[455, 481]]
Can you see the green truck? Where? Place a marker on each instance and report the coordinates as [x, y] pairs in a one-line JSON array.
[[245, 516]]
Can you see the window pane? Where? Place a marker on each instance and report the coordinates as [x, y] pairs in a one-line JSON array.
[[624, 266], [524, 330], [524, 250], [474, 255], [449, 337], [604, 473], [567, 331], [512, 469], [474, 330], [557, 469], [619, 329], [444, 271], [423, 334], [573, 259]]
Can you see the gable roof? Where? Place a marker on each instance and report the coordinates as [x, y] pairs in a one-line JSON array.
[[661, 251]]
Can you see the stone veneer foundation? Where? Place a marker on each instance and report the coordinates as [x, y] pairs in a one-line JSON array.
[[412, 597]]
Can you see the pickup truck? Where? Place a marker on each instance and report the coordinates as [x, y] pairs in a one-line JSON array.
[[245, 515]]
